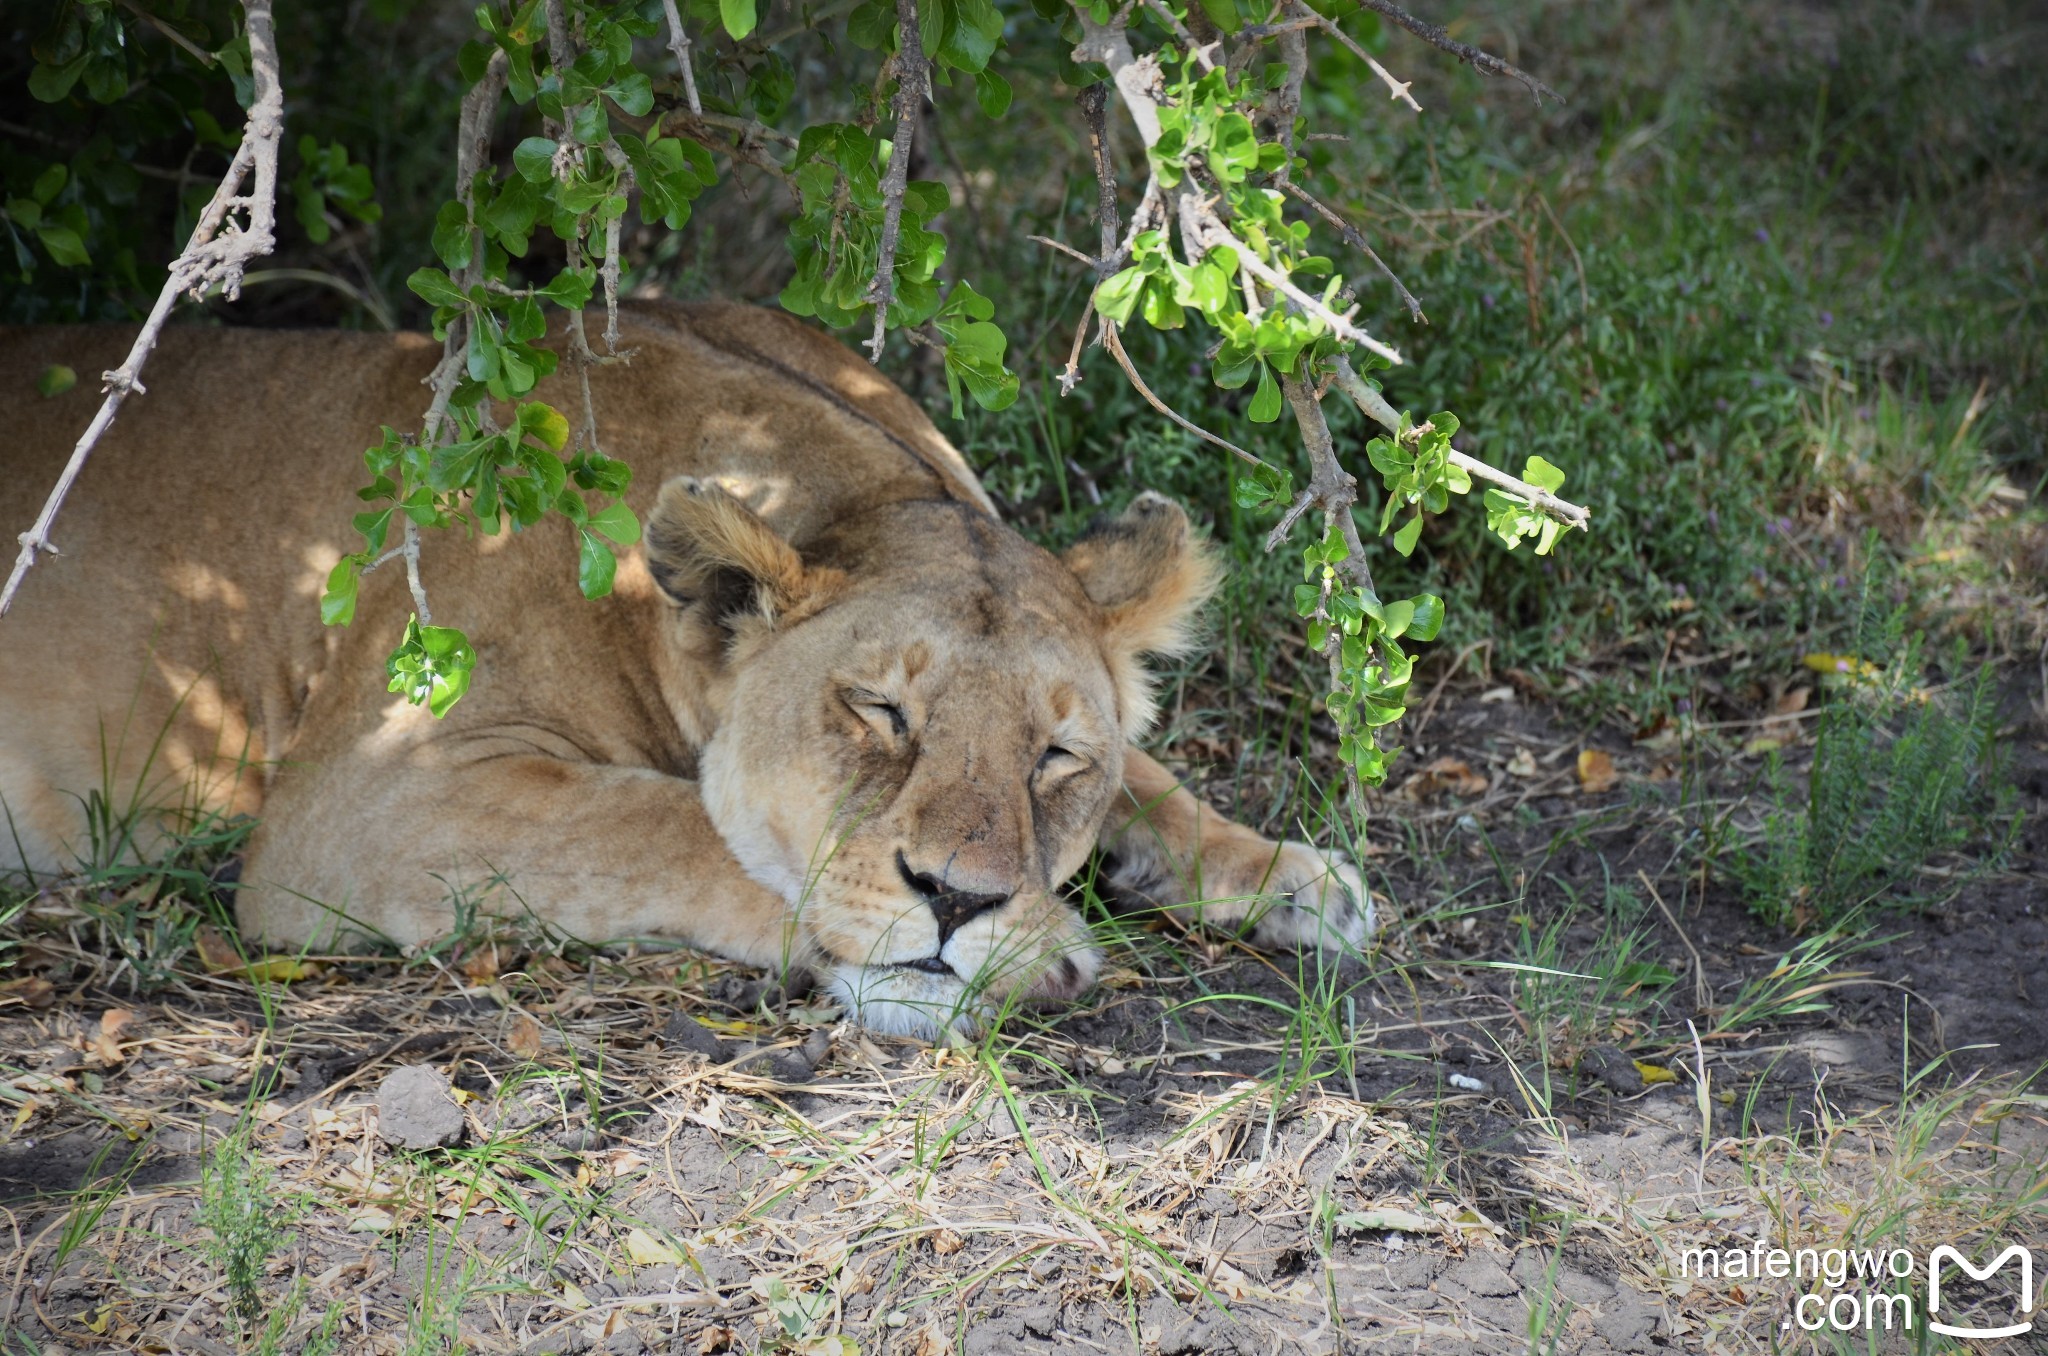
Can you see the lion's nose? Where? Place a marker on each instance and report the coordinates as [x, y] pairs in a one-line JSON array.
[[953, 909]]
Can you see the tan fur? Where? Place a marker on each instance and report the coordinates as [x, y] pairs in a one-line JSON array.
[[832, 709]]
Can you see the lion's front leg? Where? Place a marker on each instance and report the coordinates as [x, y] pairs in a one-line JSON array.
[[606, 854], [1165, 846]]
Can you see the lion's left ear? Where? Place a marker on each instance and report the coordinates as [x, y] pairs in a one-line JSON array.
[[704, 546], [1149, 575]]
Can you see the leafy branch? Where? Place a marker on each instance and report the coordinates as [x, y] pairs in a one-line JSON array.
[[1243, 266]]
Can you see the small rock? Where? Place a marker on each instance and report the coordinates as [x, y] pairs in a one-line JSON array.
[[787, 1065], [685, 1032], [1609, 1067], [414, 1109]]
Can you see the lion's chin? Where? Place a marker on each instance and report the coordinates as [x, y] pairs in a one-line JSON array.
[[901, 1000]]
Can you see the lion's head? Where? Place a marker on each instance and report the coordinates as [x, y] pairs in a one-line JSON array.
[[919, 729]]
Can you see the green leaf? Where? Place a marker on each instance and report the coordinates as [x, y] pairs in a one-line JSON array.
[[435, 288], [64, 244], [738, 16], [545, 423], [55, 380], [451, 235], [1117, 297], [338, 602], [1266, 400], [595, 566], [633, 95], [1429, 616], [1395, 617], [1543, 475], [50, 183], [617, 522], [1410, 533], [534, 158], [992, 92]]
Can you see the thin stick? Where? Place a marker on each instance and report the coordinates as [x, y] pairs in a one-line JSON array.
[[1357, 241], [1116, 349], [1201, 228], [216, 255], [1483, 62], [679, 43], [910, 92], [1700, 996]]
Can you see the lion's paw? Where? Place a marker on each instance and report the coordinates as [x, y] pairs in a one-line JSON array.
[[1315, 899]]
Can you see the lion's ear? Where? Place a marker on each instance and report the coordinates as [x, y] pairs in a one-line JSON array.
[[1149, 575], [703, 546]]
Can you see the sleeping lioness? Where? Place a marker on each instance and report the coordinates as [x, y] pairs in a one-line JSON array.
[[835, 715]]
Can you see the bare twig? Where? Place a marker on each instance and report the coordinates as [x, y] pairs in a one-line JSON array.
[[1116, 349], [1375, 407], [1397, 89], [679, 43], [1064, 248], [910, 92], [1484, 62], [1357, 241], [216, 255]]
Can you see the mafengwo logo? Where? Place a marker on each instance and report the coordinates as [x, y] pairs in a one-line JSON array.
[[2023, 1305]]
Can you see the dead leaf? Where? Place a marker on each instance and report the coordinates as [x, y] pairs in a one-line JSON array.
[[524, 1037], [370, 1219], [1443, 776], [1523, 764], [216, 952], [648, 1251], [715, 1338], [1386, 1218], [107, 1044], [34, 991], [1596, 772], [1793, 702], [481, 966], [1497, 694], [1761, 745], [1655, 1073], [945, 1242]]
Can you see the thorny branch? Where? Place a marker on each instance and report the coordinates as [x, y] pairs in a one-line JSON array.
[[216, 255], [1486, 63], [1397, 89], [911, 77], [1116, 350]]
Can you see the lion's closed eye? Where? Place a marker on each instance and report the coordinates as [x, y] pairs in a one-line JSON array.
[[1057, 764], [882, 715]]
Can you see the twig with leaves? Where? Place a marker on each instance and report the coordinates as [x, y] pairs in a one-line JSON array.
[[216, 255]]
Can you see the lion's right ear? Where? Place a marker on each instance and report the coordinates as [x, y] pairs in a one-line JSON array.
[[703, 545]]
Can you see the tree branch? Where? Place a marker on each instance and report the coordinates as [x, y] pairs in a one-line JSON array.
[[215, 255], [1397, 89], [1483, 62], [1116, 349], [679, 43], [1375, 407], [1201, 229], [910, 92]]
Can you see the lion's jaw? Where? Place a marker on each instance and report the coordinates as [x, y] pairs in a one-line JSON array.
[[919, 769]]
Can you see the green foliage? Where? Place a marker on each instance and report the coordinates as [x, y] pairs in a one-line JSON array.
[[1901, 776], [239, 1207]]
